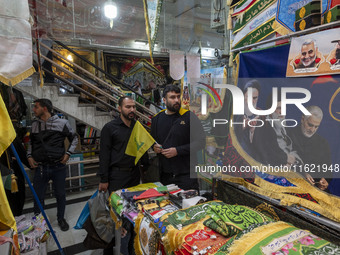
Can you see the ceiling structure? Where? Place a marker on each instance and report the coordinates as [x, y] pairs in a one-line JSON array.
[[183, 24]]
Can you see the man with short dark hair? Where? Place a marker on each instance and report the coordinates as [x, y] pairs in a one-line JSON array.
[[46, 154], [118, 170], [171, 130]]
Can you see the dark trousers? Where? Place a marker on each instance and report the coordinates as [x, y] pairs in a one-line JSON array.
[[119, 179], [183, 181], [43, 174]]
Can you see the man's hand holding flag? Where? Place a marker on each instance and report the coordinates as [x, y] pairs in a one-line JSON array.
[[139, 142]]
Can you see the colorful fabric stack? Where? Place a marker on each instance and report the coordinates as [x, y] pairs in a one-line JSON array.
[[147, 197], [245, 231], [277, 238], [205, 228], [232, 219]]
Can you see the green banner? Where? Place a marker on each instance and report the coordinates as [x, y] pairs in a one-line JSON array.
[[257, 35], [252, 12]]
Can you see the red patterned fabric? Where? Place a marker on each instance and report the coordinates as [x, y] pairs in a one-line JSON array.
[[233, 158], [304, 196]]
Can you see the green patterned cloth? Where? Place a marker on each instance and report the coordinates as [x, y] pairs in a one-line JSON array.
[[210, 223], [216, 223], [241, 217]]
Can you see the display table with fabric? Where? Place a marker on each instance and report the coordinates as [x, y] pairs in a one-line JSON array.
[[210, 228]]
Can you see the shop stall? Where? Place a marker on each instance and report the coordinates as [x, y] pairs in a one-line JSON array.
[[168, 220]]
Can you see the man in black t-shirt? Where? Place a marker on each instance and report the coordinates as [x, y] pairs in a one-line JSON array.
[[171, 130], [118, 170]]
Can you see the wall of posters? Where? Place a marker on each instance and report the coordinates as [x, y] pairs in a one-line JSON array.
[[315, 54], [138, 73]]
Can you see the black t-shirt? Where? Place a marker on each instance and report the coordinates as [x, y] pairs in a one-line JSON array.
[[113, 141], [165, 124]]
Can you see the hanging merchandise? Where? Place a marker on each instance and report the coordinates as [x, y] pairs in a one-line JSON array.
[[204, 84], [243, 6], [176, 64], [257, 29], [332, 15], [308, 16], [16, 42], [256, 9], [193, 67], [286, 11], [315, 54], [152, 11]]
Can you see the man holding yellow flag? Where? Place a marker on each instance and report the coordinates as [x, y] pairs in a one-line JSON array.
[[123, 142]]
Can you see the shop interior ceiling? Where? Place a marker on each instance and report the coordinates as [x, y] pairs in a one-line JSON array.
[[183, 25]]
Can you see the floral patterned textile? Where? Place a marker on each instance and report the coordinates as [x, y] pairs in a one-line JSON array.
[[278, 238]]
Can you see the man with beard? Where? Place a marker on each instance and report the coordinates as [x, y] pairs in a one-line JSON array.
[[171, 130], [313, 148], [271, 144], [309, 56], [334, 56], [118, 170]]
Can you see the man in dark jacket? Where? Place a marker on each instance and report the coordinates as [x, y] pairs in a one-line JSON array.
[[176, 145], [46, 154]]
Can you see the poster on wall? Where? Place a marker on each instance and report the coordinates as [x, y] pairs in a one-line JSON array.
[[273, 148], [315, 54], [138, 73], [204, 84]]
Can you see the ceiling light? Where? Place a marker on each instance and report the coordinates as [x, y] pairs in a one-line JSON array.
[[144, 42], [110, 9], [140, 42], [70, 58]]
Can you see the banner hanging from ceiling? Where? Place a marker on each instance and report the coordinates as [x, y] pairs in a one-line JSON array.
[[16, 42], [152, 11], [285, 14], [286, 11], [242, 6], [257, 29], [258, 7], [315, 54]]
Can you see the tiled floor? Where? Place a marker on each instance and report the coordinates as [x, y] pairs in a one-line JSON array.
[[72, 236]]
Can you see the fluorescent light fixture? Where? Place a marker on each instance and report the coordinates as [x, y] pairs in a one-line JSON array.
[[140, 42], [208, 52], [110, 10], [144, 43]]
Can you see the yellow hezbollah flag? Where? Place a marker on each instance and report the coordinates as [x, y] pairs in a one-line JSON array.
[[7, 132], [139, 142], [7, 135]]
